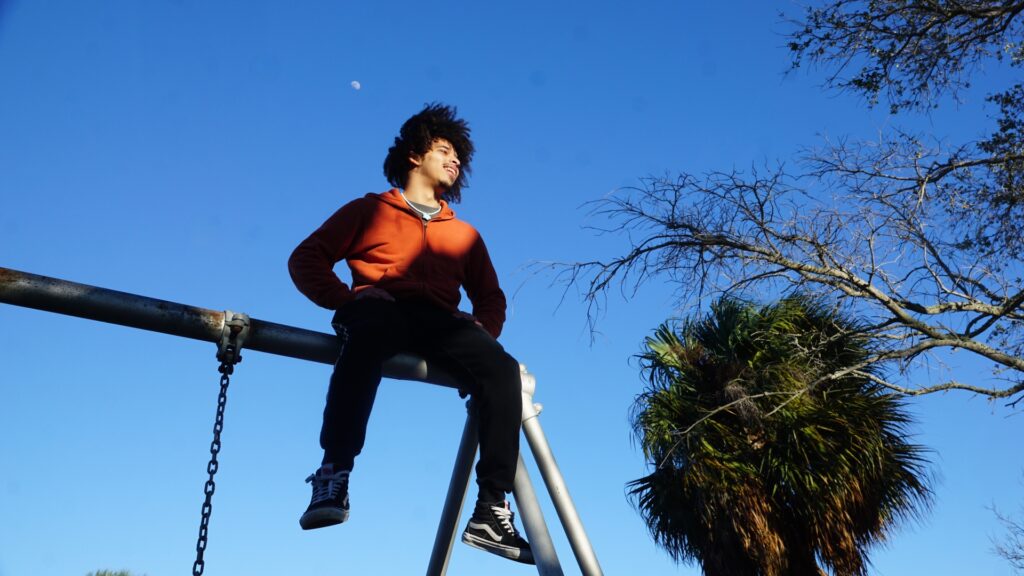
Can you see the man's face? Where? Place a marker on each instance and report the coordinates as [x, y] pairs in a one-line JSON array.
[[440, 164]]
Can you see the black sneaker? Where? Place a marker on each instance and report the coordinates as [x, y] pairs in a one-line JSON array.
[[329, 505], [491, 529]]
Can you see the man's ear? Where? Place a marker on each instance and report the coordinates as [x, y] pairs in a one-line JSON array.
[[415, 160]]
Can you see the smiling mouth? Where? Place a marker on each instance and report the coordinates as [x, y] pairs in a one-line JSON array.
[[453, 171]]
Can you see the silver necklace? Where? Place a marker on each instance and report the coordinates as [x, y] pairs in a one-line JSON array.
[[424, 215]]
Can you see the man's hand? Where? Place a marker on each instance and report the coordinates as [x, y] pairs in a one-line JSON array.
[[467, 316], [374, 292]]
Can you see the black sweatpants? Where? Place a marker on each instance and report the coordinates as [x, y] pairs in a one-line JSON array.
[[375, 330]]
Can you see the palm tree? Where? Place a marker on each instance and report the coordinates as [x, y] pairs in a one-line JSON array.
[[772, 454]]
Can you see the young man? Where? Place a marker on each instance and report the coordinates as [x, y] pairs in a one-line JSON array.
[[409, 256]]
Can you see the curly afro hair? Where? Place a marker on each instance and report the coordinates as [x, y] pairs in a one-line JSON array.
[[435, 121]]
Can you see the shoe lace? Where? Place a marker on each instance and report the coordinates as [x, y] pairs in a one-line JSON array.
[[505, 518], [328, 486]]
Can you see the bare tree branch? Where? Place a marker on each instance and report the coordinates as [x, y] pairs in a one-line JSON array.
[[1011, 546], [910, 51], [728, 233], [923, 242]]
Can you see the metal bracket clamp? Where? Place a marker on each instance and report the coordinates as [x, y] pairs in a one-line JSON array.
[[232, 338], [529, 386]]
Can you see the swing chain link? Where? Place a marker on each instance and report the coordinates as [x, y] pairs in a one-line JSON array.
[[236, 329]]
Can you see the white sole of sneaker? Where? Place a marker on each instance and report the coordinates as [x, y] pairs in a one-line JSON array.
[[510, 552], [322, 518]]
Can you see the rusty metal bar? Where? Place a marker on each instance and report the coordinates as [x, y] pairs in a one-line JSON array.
[[104, 305]]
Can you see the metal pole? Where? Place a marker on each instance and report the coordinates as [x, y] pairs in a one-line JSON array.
[[533, 523], [559, 493], [93, 303], [554, 481], [448, 526], [104, 305]]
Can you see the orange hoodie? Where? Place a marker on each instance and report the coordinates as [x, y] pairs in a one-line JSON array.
[[386, 244]]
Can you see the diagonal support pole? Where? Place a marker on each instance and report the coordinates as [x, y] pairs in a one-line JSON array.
[[448, 526], [533, 523], [555, 483]]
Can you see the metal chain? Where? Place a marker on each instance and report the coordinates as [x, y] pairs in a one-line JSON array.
[[228, 355], [211, 468]]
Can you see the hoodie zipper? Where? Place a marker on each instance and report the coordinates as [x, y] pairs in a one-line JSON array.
[[423, 245], [422, 254]]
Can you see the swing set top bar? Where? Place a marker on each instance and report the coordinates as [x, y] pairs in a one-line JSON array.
[[104, 305], [93, 303]]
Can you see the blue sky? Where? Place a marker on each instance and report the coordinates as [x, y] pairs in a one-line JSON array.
[[181, 149]]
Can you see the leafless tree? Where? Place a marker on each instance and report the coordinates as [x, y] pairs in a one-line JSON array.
[[909, 52], [923, 242], [1010, 546]]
